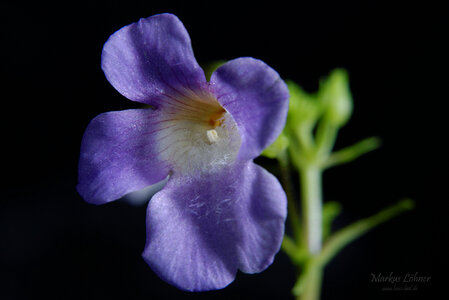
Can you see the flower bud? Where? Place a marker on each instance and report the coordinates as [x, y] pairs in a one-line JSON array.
[[336, 97], [303, 107]]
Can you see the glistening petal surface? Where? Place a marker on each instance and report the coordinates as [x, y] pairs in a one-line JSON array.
[[201, 230], [151, 60], [256, 97], [118, 155]]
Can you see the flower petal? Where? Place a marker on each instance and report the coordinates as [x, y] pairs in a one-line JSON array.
[[256, 97], [201, 230], [151, 60], [118, 155]]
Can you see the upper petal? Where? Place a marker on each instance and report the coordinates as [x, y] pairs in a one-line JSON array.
[[256, 97], [152, 59], [201, 230], [119, 155]]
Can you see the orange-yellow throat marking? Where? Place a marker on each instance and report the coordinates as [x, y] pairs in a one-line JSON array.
[[216, 119]]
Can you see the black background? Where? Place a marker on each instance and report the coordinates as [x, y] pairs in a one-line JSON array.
[[54, 245]]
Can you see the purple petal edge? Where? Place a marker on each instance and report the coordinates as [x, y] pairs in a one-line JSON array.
[[152, 60], [118, 155], [256, 97], [200, 231]]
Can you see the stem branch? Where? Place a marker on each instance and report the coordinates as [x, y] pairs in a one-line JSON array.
[[351, 232], [284, 163]]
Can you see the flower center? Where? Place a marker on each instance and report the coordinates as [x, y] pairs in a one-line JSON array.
[[212, 135], [197, 134], [217, 118]]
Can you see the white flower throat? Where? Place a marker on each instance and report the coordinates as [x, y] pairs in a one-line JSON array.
[[197, 134]]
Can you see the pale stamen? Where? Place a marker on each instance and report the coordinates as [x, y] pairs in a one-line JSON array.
[[212, 136]]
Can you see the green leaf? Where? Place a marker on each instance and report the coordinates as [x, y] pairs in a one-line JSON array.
[[210, 67], [275, 149], [304, 111]]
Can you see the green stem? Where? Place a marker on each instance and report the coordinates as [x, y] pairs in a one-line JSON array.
[[312, 287], [309, 283], [310, 180]]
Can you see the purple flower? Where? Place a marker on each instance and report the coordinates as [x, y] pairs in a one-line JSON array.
[[218, 212]]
